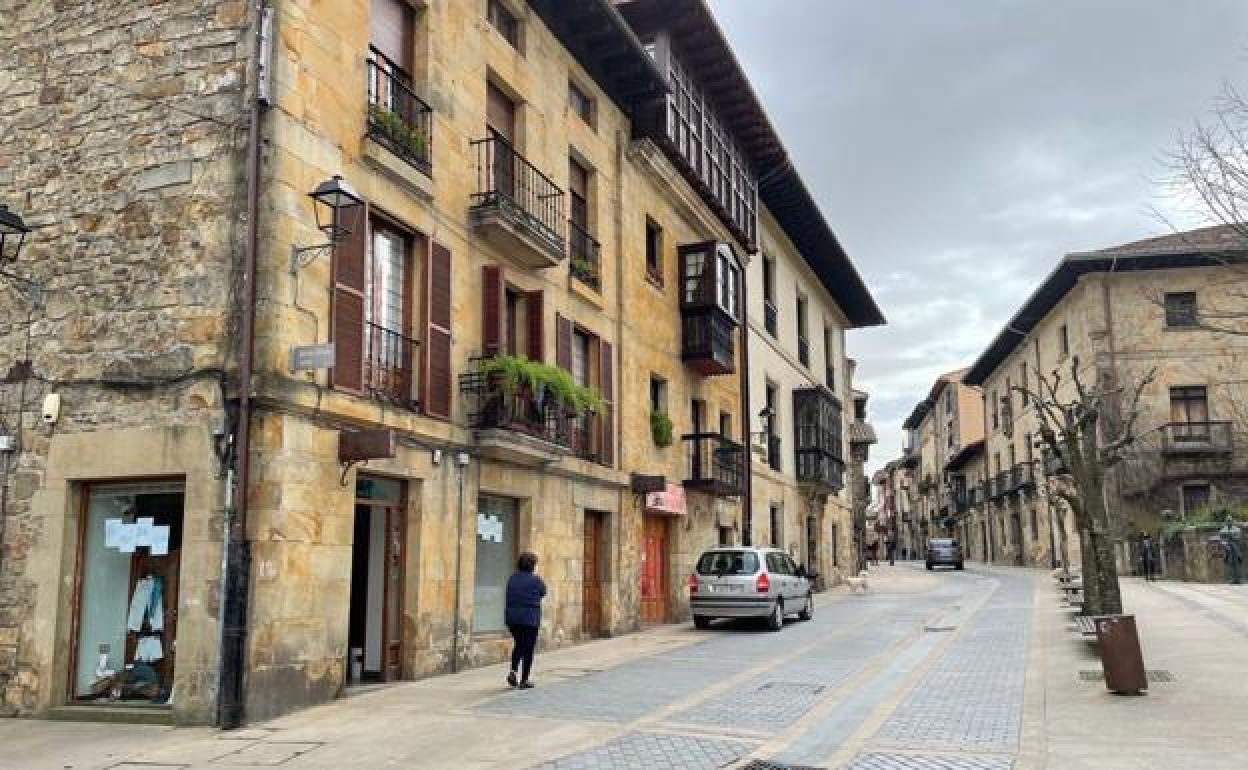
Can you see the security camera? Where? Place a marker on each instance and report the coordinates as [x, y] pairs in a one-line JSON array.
[[51, 408]]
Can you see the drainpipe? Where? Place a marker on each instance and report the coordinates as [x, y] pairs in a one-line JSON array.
[[621, 138], [747, 507], [238, 550], [459, 558]]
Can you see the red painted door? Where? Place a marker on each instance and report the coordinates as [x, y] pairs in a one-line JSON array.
[[655, 604]]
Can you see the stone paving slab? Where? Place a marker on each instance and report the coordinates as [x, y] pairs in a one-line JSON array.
[[657, 751], [875, 761]]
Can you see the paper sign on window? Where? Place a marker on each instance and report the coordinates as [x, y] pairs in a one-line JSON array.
[[489, 528]]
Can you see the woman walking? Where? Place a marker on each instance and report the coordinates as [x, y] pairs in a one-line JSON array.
[[524, 617]]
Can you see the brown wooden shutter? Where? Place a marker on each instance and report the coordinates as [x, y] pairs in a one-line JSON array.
[[437, 401], [347, 311], [607, 387], [500, 112], [563, 343], [537, 326], [492, 301]]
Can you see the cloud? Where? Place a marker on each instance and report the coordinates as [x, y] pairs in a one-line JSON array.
[[959, 149]]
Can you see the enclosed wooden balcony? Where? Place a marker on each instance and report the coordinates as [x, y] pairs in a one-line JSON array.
[[710, 276], [818, 442]]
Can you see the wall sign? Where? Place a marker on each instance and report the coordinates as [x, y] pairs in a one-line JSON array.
[[670, 501]]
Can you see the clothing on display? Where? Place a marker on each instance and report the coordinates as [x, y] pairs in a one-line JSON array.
[[147, 604], [148, 649]]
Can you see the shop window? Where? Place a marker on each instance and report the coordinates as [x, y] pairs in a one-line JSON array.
[[131, 550], [496, 557]]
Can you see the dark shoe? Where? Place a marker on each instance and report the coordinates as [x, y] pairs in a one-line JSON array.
[[526, 685], [511, 678]]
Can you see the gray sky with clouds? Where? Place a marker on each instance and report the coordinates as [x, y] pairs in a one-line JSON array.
[[959, 148]]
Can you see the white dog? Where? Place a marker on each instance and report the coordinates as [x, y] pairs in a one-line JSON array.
[[858, 585]]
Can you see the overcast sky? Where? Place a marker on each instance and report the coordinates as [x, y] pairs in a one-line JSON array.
[[959, 149]]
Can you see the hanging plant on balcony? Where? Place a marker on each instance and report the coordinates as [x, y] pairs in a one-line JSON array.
[[661, 429], [542, 382], [408, 138]]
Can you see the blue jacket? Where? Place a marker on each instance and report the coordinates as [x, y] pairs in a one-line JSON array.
[[524, 599]]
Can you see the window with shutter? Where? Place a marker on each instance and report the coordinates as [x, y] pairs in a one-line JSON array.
[[437, 379], [535, 312]]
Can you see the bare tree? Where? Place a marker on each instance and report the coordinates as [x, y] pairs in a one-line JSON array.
[[1086, 430]]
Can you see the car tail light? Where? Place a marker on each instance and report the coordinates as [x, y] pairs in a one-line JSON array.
[[762, 584], [693, 584]]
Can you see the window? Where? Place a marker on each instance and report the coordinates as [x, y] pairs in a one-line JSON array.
[[1189, 404], [948, 400], [1013, 455], [654, 251], [949, 434], [996, 461], [1035, 526], [725, 535], [496, 554], [1063, 340], [728, 562], [580, 103], [504, 21], [578, 195], [727, 290], [388, 348], [1195, 497], [775, 526], [515, 323], [772, 429], [693, 267], [658, 395], [803, 342], [770, 315], [829, 361], [996, 418], [747, 526], [1181, 309], [1023, 380], [725, 424]]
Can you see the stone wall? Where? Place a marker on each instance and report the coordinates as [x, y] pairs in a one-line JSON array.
[[121, 131]]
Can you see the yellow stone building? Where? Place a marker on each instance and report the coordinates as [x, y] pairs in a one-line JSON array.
[[1159, 305], [512, 316]]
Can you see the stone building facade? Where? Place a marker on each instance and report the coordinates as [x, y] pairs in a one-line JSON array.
[[120, 145], [537, 263], [802, 404], [1118, 314]]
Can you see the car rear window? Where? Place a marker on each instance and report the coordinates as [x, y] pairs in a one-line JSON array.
[[728, 563]]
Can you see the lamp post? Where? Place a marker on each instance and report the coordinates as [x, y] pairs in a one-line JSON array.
[[12, 234], [337, 209]]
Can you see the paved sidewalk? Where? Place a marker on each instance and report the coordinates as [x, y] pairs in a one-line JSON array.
[[972, 670]]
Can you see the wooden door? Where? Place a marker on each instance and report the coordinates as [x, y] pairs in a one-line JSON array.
[[591, 579], [392, 619], [655, 601]]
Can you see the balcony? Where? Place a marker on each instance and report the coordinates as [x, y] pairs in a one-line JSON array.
[[516, 207], [818, 446], [1021, 477], [706, 336], [584, 257], [397, 118], [1002, 484], [1053, 464], [715, 464], [518, 425], [771, 317], [1196, 438], [389, 365], [803, 350]]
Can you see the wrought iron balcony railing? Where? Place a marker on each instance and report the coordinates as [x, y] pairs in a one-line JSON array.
[[584, 253], [389, 365], [505, 179], [1195, 438], [397, 117]]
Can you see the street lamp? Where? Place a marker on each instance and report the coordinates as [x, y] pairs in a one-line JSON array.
[[12, 234], [337, 209]]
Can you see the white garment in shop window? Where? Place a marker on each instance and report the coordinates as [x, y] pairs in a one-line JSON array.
[[148, 649], [147, 603]]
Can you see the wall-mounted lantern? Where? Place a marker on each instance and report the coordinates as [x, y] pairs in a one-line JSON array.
[[12, 234], [337, 208]]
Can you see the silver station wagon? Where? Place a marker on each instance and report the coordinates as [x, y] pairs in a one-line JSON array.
[[747, 582]]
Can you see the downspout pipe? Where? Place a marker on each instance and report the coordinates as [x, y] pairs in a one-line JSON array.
[[231, 696], [747, 505]]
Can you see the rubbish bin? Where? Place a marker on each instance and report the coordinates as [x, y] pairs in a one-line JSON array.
[[1121, 658]]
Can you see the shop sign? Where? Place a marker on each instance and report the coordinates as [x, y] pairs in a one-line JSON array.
[[671, 500], [311, 357], [360, 445]]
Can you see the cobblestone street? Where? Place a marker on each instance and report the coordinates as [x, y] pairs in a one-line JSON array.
[[966, 670]]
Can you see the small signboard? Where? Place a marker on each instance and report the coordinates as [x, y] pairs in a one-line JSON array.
[[356, 446], [310, 357], [670, 501]]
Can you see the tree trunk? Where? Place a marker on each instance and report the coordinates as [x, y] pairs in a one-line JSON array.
[[1100, 569]]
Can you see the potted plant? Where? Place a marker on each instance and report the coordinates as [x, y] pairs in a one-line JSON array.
[[661, 429]]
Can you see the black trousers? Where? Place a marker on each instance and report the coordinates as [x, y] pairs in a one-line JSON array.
[[522, 651]]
